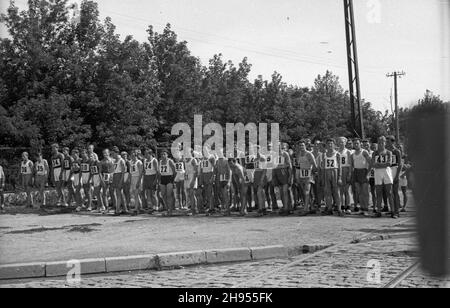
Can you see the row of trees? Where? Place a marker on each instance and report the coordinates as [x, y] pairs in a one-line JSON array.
[[78, 82]]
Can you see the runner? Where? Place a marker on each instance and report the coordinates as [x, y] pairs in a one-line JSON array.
[[360, 162], [239, 174], [26, 176], [126, 180], [136, 175], [2, 188], [41, 172], [396, 167], [260, 181], [295, 188], [91, 154], [382, 159], [167, 177], [206, 180], [223, 174], [346, 173], [332, 178], [180, 195], [317, 186], [106, 171], [250, 160], [67, 180], [57, 174], [76, 177], [404, 182], [271, 197], [150, 180], [85, 166], [118, 182], [191, 182], [96, 180], [304, 174], [372, 149]]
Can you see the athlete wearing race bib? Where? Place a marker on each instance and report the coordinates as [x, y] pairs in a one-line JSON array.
[[85, 169], [345, 154], [281, 177], [223, 175], [120, 169], [167, 173], [303, 173], [382, 159], [106, 171], [206, 180], [41, 171], [180, 195], [396, 167], [150, 165], [56, 173], [331, 164], [136, 173], [190, 182], [361, 163], [26, 175]]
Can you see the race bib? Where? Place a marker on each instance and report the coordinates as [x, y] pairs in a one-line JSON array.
[[247, 179], [94, 169], [179, 167], [249, 160], [305, 173], [281, 160], [24, 169], [330, 163], [66, 164], [223, 178], [40, 168], [56, 163], [106, 177], [163, 168], [205, 164], [295, 162], [84, 167], [344, 160], [148, 165], [381, 159], [394, 160], [133, 168]]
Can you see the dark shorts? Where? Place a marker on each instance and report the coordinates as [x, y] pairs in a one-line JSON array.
[[116, 180], [167, 179], [149, 182], [360, 176], [258, 177], [280, 177], [372, 182], [40, 181], [206, 179]]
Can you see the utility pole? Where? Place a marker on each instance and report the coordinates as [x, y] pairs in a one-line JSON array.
[[397, 125], [353, 70]]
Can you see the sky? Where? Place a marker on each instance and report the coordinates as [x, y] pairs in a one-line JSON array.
[[301, 39]]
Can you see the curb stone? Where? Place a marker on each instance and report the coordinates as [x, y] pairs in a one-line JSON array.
[[167, 260]]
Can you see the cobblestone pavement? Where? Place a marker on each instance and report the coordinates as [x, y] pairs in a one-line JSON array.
[[339, 266]]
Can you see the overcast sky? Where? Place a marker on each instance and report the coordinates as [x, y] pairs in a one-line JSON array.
[[303, 38]]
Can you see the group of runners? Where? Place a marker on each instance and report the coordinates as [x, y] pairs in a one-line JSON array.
[[334, 176]]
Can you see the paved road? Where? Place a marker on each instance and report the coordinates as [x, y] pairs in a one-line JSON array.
[[339, 266], [29, 237]]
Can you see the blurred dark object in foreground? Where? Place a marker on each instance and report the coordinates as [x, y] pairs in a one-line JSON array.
[[429, 152]]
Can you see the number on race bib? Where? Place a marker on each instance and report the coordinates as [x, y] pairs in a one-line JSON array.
[[66, 164], [247, 179], [163, 169], [40, 168], [281, 160], [24, 169], [330, 163], [94, 169], [148, 165], [133, 168], [344, 159], [223, 178], [305, 173], [56, 163], [84, 167], [179, 166], [394, 159], [205, 164]]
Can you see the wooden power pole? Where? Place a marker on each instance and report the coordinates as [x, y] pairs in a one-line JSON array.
[[396, 75]]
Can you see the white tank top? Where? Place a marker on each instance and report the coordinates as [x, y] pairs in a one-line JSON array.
[[40, 168], [360, 161], [207, 167], [165, 168], [118, 167], [134, 169], [149, 169], [344, 158], [25, 168], [330, 163]]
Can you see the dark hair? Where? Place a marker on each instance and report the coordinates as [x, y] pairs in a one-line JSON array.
[[115, 149], [330, 140], [356, 139]]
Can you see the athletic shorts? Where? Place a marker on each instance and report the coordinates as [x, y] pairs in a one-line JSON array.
[[133, 183], [116, 180], [179, 177], [188, 178], [383, 176], [76, 179], [96, 180], [126, 178], [206, 179], [360, 176], [40, 180], [345, 175], [149, 182], [57, 174], [85, 178], [331, 180], [66, 176], [166, 179], [372, 181], [280, 177], [258, 177], [394, 171], [403, 182], [269, 175]]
